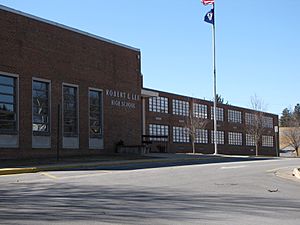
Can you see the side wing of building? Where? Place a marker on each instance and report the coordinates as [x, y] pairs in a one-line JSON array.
[[168, 114]]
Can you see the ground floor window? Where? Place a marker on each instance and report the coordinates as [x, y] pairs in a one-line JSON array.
[[8, 106], [70, 111], [181, 134], [267, 141], [158, 130], [40, 107], [95, 111], [235, 138], [220, 137], [250, 140], [201, 136]]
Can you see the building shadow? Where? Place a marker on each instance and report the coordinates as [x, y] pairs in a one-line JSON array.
[[38, 203]]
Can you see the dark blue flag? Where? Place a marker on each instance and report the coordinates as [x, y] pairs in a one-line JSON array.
[[209, 17]]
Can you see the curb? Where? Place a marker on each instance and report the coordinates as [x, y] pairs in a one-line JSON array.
[[296, 173], [11, 171]]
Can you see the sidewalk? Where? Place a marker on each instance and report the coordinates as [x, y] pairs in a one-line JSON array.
[[286, 173], [33, 166]]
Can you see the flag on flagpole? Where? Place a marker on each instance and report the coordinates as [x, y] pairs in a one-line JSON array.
[[209, 17], [207, 2]]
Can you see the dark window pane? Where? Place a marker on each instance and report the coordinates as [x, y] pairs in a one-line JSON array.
[[95, 113], [7, 116], [94, 94], [6, 80], [70, 110], [69, 90], [6, 89], [7, 98], [40, 94], [6, 107], [37, 85], [40, 120], [7, 125]]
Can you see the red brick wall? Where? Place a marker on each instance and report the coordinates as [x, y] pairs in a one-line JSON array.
[[31, 48]]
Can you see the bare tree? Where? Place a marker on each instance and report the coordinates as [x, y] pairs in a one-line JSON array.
[[255, 121], [292, 134], [195, 122]]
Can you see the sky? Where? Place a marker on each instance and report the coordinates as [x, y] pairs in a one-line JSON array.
[[257, 43]]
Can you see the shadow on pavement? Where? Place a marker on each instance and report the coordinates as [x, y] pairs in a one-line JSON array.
[[38, 203]]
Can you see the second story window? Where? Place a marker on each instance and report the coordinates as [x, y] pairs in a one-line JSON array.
[[200, 111], [180, 108], [234, 116], [249, 118], [267, 122], [219, 114], [158, 104]]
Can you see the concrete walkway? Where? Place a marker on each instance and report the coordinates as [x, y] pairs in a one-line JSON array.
[[17, 167]]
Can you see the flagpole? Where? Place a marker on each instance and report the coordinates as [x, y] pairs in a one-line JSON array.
[[215, 83]]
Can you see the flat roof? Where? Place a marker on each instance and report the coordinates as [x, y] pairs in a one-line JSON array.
[[2, 7]]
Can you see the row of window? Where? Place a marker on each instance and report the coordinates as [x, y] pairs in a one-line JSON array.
[[41, 105], [181, 108], [182, 135]]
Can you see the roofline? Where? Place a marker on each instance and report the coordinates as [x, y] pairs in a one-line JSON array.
[[5, 8]]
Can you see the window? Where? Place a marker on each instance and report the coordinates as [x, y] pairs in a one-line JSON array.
[[158, 104], [235, 138], [250, 140], [267, 141], [8, 106], [201, 136], [267, 122], [158, 130], [70, 114], [220, 137], [219, 112], [200, 111], [181, 134], [234, 116], [249, 118], [95, 101], [180, 108], [40, 107]]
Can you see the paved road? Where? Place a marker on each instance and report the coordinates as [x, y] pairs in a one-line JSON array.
[[246, 192]]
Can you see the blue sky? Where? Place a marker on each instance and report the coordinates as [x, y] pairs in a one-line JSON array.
[[258, 47]]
